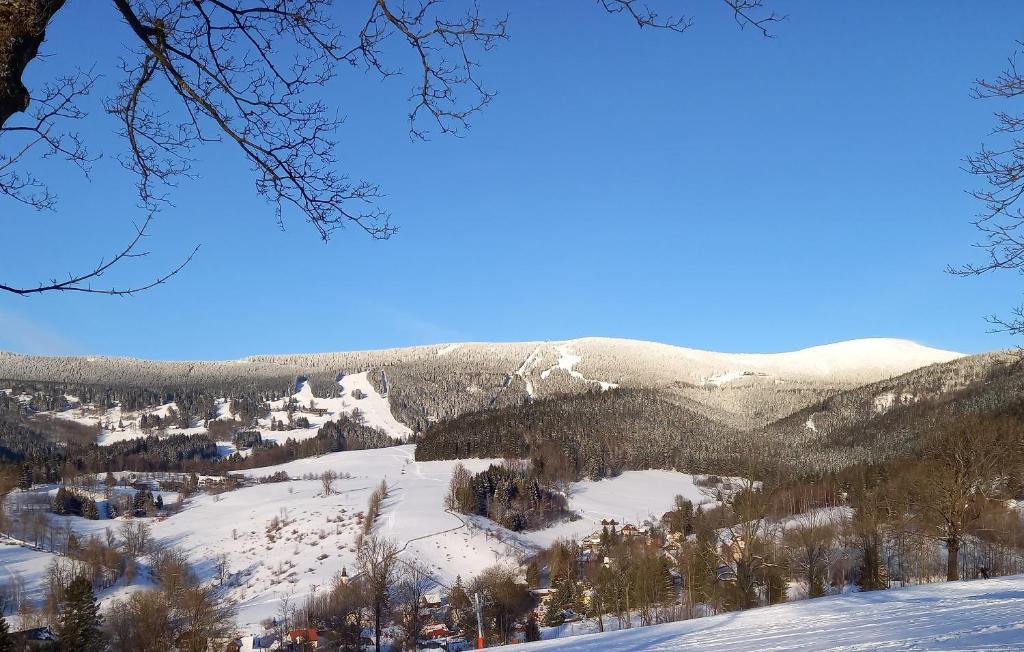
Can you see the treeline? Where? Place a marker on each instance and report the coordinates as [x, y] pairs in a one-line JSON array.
[[191, 404], [509, 494], [48, 449], [592, 435]]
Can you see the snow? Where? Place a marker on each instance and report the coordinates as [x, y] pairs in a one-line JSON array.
[[524, 370], [567, 361], [884, 402], [375, 410], [632, 497], [234, 523], [975, 615], [723, 378], [26, 565]]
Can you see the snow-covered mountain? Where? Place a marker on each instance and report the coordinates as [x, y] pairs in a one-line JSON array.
[[426, 383]]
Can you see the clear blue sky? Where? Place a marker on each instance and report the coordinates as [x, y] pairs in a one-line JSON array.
[[712, 189]]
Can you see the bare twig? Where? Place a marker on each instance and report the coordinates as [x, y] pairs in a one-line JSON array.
[[83, 282]]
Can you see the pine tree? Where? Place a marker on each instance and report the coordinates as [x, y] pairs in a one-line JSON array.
[[563, 598], [60, 502], [459, 607], [25, 481], [6, 643], [533, 574], [79, 627], [554, 614], [532, 631]]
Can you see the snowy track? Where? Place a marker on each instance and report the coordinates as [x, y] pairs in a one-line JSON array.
[[978, 615]]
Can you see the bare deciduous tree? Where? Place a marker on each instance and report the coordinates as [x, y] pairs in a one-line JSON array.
[[963, 469], [249, 73], [377, 559], [811, 546], [1000, 165], [327, 478]]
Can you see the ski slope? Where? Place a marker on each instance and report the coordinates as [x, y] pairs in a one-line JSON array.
[[373, 407], [976, 615]]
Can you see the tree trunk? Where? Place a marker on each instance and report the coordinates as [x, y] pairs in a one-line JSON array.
[[953, 558], [22, 29], [377, 608]]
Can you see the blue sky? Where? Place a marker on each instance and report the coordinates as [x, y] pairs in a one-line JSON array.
[[712, 189]]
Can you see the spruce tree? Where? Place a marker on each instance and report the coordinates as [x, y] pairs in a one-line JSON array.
[[562, 599], [25, 481], [460, 608], [60, 501], [79, 628], [531, 630], [6, 642]]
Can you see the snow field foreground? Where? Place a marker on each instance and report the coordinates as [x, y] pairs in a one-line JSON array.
[[974, 615]]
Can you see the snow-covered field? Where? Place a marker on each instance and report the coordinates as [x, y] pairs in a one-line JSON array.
[[976, 615]]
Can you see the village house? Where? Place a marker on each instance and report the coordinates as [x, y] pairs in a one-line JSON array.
[[543, 597], [304, 639], [435, 631]]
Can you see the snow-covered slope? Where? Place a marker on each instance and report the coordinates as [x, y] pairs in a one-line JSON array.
[[977, 615], [318, 533], [356, 394]]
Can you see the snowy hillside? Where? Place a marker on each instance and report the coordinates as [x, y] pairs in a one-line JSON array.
[[317, 534], [976, 615], [356, 395]]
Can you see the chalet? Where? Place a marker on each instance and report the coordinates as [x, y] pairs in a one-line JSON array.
[[734, 550], [304, 639], [431, 600], [543, 596], [671, 548], [436, 631], [588, 557], [630, 530]]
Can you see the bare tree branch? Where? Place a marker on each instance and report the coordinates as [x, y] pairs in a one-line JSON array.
[[252, 73], [83, 282], [1001, 167]]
